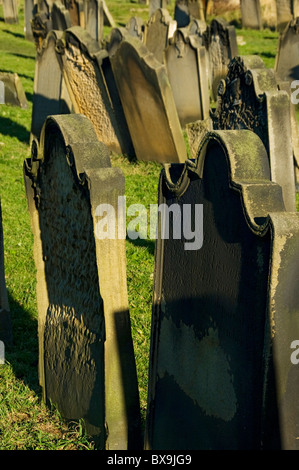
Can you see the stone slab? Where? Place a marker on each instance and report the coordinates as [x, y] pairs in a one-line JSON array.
[[251, 14], [12, 91], [287, 58], [158, 31]]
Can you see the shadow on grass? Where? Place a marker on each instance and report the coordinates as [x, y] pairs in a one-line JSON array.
[[19, 74], [17, 35], [23, 353], [148, 244], [13, 129]]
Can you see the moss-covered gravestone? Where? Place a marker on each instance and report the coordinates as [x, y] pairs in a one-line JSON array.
[[248, 98], [86, 360], [225, 304]]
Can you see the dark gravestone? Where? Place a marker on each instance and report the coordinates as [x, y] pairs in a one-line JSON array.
[[158, 31], [221, 43], [12, 93], [81, 60], [225, 304], [186, 63], [251, 14], [248, 98], [287, 58], [50, 95], [61, 19], [86, 360], [10, 11], [148, 103]]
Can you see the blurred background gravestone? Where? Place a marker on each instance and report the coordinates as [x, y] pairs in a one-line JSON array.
[[10, 11], [251, 14]]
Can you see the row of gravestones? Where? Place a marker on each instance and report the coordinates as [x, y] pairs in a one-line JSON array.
[[169, 73], [280, 11], [224, 315]]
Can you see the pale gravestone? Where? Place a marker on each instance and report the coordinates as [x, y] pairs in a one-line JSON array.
[[269, 14], [2, 92], [50, 94], [251, 14], [287, 58], [185, 60], [155, 5], [221, 43], [94, 18], [81, 60], [10, 11], [148, 103], [225, 304], [13, 91], [248, 98], [86, 359], [158, 31], [29, 11], [135, 27]]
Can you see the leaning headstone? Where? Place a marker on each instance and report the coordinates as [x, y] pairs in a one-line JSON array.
[[86, 360], [221, 43], [13, 92], [6, 336], [81, 60], [50, 95], [185, 60], [94, 18], [251, 14], [225, 304], [61, 19], [287, 58], [248, 98], [10, 11], [158, 31], [148, 103]]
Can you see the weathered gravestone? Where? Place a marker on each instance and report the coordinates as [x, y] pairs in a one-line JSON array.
[[225, 304], [251, 14], [61, 19], [29, 11], [94, 18], [269, 14], [135, 27], [248, 98], [6, 335], [13, 92], [148, 103], [186, 64], [155, 5], [221, 43], [76, 12], [10, 11], [50, 93], [158, 31], [287, 58], [81, 61], [86, 359], [284, 13]]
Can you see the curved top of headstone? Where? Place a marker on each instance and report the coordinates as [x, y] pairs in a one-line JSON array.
[[249, 174], [87, 44]]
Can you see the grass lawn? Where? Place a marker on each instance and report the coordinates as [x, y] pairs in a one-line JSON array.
[[25, 423]]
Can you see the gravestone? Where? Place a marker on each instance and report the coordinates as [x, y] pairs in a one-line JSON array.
[[158, 31], [185, 60], [6, 336], [197, 27], [135, 27], [269, 14], [86, 360], [50, 95], [221, 43], [29, 11], [41, 26], [81, 61], [155, 5], [75, 9], [2, 92], [197, 9], [148, 103], [287, 58], [94, 18], [284, 13], [61, 19], [225, 304], [251, 14], [10, 11], [13, 93], [248, 98]]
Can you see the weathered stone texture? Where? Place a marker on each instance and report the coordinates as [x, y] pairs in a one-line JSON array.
[[13, 92], [158, 31], [251, 14], [86, 361], [287, 58], [224, 315], [10, 11]]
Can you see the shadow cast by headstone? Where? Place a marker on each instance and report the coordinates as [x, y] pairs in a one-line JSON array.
[[22, 56], [13, 129], [17, 35], [23, 353], [140, 242]]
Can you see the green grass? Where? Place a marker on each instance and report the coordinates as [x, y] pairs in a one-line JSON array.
[[25, 422]]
